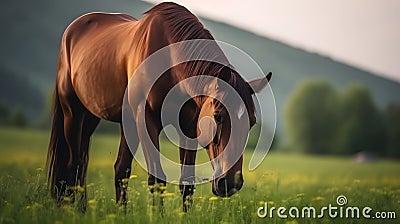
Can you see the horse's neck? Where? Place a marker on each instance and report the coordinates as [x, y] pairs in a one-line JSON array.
[[146, 37], [152, 35]]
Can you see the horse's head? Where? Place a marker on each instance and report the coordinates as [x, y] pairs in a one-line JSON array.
[[224, 122]]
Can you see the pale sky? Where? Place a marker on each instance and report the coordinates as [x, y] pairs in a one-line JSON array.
[[363, 33]]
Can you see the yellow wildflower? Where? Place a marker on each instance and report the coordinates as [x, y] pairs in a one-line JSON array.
[[124, 181], [271, 202], [111, 216], [318, 198], [167, 194], [213, 198], [92, 203]]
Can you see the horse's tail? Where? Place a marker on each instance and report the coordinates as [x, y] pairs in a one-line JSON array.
[[58, 150]]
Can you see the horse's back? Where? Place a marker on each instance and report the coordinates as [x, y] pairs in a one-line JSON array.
[[98, 19], [94, 56]]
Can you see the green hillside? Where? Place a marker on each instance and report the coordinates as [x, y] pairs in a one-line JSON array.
[[31, 33]]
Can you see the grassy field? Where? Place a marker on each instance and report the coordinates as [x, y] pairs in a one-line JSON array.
[[282, 180]]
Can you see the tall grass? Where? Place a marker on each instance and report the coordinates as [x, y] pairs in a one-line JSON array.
[[282, 180]]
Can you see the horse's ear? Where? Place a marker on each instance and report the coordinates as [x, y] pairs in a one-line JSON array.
[[259, 84]]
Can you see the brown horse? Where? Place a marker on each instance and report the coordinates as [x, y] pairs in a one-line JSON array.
[[99, 53]]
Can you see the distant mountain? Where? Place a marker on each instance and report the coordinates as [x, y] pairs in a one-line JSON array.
[[17, 92], [31, 32]]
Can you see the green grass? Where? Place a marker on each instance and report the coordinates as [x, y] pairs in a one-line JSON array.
[[281, 180]]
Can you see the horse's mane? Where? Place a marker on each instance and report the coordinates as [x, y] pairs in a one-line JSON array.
[[242, 88], [183, 25]]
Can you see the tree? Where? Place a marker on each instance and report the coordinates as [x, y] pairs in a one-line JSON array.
[[18, 118], [4, 113], [255, 138], [311, 117], [392, 120], [361, 126]]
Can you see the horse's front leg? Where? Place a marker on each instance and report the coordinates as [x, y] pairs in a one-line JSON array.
[[187, 151], [187, 181], [149, 128]]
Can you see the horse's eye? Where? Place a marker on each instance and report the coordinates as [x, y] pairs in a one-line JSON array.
[[217, 117]]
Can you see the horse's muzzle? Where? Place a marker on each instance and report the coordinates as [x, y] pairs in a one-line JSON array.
[[226, 187]]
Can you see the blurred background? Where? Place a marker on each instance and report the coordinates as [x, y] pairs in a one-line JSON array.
[[336, 71]]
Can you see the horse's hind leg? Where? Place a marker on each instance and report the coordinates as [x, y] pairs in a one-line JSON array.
[[73, 119], [89, 124], [123, 164], [79, 124]]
